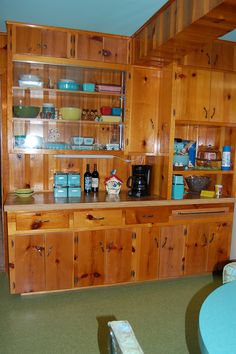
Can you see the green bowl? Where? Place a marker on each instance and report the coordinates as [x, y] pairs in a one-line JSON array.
[[26, 111]]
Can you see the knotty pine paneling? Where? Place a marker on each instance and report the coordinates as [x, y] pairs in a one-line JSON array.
[[37, 170]]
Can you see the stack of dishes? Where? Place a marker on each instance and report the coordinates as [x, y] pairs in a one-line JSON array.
[[30, 81], [24, 192]]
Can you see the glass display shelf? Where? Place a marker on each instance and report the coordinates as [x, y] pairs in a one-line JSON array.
[[56, 135]]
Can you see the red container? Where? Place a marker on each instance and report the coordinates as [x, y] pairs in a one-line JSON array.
[[106, 111]]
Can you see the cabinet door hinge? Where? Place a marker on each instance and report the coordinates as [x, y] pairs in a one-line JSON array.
[[174, 112], [185, 231], [76, 239], [133, 235], [129, 76], [12, 243], [126, 141], [132, 273]]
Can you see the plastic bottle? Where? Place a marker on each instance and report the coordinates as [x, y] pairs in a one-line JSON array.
[[87, 180], [95, 179], [226, 155]]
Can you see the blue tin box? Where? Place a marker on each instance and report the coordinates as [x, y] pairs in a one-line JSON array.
[[116, 111], [60, 192], [60, 179], [74, 192], [74, 179]]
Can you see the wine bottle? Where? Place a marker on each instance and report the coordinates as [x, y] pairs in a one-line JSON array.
[[87, 180], [95, 179]]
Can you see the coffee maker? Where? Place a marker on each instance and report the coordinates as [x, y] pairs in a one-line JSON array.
[[139, 182]]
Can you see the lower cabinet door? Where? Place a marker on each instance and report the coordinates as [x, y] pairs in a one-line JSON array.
[[172, 239], [89, 258], [218, 245], [196, 249], [146, 253], [118, 262], [27, 267], [41, 262], [59, 260]]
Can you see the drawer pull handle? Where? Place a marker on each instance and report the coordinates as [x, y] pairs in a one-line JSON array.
[[212, 238], [148, 216], [39, 249], [155, 239], [38, 223], [101, 246], [164, 243], [91, 217], [49, 250], [96, 275]]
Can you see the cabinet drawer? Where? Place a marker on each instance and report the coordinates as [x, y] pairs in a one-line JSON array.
[[42, 220], [147, 215], [94, 218]]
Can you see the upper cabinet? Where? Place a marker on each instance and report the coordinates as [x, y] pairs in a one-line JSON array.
[[63, 43], [142, 127], [108, 49], [204, 95], [219, 55], [38, 41]]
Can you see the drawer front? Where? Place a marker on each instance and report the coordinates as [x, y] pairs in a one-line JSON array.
[[42, 220], [95, 218], [147, 215]]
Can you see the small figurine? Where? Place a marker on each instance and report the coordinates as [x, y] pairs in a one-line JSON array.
[[113, 183]]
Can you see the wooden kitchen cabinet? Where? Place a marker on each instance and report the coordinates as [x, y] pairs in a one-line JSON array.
[[89, 258], [103, 257], [118, 263], [204, 95], [196, 248], [172, 241], [41, 262], [98, 47], [146, 252], [207, 247], [40, 41], [142, 126], [219, 239], [216, 55]]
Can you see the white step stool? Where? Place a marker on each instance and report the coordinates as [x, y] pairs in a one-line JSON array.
[[229, 272], [122, 339]]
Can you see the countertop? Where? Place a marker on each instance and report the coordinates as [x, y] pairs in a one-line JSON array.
[[46, 201]]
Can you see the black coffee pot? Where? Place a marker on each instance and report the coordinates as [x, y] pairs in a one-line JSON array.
[[139, 182]]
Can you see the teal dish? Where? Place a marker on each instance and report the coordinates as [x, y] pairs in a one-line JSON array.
[[89, 87], [68, 85], [19, 140]]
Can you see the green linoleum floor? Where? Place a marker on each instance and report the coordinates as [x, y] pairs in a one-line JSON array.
[[163, 315]]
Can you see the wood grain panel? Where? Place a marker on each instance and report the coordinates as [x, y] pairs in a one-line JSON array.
[[172, 239], [29, 263], [89, 258], [118, 256], [59, 261], [148, 243]]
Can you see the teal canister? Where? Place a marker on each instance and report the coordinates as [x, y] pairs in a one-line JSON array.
[[177, 187], [48, 111]]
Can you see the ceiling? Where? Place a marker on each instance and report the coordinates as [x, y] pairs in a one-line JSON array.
[[110, 16]]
